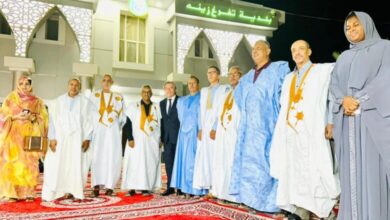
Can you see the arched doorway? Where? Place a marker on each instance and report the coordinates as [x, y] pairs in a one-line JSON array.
[[200, 56], [242, 56], [54, 48]]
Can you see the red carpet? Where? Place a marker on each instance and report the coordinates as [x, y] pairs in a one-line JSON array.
[[122, 207]]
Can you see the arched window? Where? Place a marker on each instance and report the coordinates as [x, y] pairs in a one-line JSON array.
[[4, 26]]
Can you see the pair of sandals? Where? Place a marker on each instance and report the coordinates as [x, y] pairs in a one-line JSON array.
[[189, 196], [71, 197], [227, 203], [292, 216], [67, 196], [96, 192], [133, 193], [146, 193], [28, 199], [279, 215]]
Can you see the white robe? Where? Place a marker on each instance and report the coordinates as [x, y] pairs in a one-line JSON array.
[[65, 170], [204, 150], [300, 156], [107, 139], [224, 147], [141, 164]]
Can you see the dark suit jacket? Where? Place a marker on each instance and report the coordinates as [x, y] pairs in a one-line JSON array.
[[169, 123], [127, 134]]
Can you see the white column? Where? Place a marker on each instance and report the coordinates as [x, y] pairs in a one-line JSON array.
[[178, 77], [15, 77], [86, 82], [181, 80], [19, 66], [85, 72]]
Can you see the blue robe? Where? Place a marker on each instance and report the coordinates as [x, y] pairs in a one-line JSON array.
[[183, 168], [259, 106]]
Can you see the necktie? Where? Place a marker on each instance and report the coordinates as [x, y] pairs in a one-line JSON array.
[[170, 105]]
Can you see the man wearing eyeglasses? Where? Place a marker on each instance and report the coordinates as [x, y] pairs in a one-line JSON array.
[[107, 139]]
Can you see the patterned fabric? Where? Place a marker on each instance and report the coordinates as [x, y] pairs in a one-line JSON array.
[[19, 169], [259, 107]]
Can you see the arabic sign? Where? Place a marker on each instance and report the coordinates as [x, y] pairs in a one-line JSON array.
[[227, 11]]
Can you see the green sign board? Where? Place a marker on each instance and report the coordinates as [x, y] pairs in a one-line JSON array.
[[227, 11]]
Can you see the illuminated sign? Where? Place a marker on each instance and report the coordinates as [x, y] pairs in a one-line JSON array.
[[138, 7], [226, 10]]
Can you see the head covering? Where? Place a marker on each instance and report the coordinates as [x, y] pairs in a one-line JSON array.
[[371, 34], [363, 72], [23, 95]]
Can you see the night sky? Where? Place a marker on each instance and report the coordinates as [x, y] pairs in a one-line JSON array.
[[321, 24]]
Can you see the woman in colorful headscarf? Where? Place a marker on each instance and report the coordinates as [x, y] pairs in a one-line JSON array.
[[22, 114], [360, 87]]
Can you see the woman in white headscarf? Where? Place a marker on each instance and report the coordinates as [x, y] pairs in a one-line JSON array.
[[360, 85]]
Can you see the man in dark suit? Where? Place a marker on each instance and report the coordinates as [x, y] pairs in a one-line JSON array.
[[169, 130]]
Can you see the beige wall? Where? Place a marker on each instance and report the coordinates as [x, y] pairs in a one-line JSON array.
[[53, 65], [105, 40], [7, 48], [105, 52], [54, 61]]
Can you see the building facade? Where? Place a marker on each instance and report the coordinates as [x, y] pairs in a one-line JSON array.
[[137, 41]]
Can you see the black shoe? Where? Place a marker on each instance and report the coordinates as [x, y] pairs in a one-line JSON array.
[[109, 192], [179, 193], [95, 192], [131, 193], [168, 192], [145, 193], [293, 216], [69, 196]]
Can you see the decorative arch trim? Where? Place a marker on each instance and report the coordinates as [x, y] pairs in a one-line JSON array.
[[186, 35], [224, 43], [24, 15]]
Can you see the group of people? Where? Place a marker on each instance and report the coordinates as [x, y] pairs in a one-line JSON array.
[[262, 141]]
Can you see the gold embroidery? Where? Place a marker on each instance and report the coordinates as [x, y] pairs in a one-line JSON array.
[[227, 106], [300, 116], [119, 112], [144, 117], [97, 95], [296, 97], [103, 107], [118, 98], [110, 120], [209, 104]]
